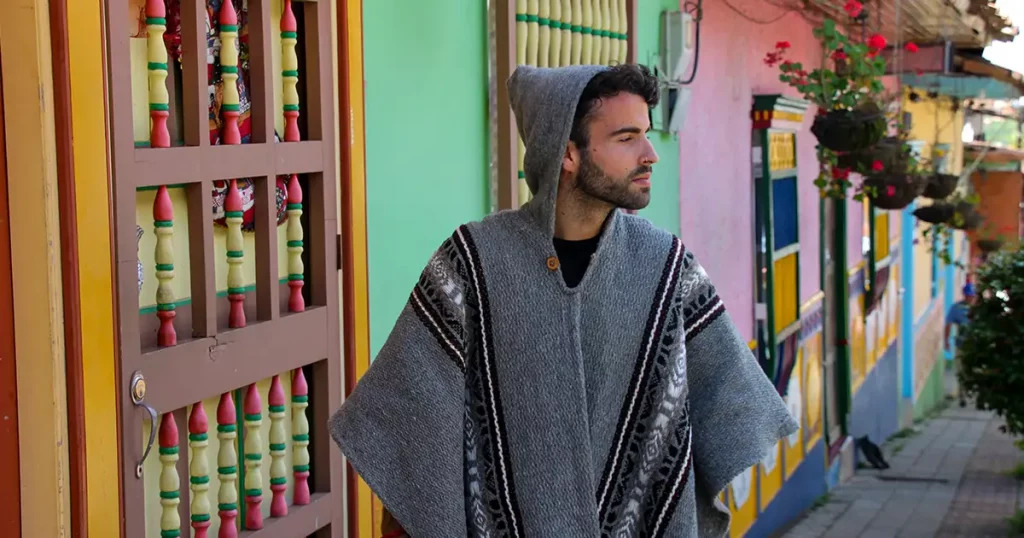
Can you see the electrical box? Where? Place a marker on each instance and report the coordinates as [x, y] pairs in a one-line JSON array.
[[676, 56]]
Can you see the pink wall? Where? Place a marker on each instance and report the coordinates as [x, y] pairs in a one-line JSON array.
[[716, 183]]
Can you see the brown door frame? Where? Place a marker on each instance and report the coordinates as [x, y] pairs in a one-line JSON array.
[[10, 509]]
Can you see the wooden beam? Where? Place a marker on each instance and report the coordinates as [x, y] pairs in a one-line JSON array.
[[508, 167]]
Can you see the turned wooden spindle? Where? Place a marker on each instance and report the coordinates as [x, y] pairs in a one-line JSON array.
[[278, 445], [300, 438], [199, 470], [227, 467], [170, 523], [253, 459]]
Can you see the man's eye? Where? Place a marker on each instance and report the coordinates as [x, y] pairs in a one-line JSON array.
[[626, 139]]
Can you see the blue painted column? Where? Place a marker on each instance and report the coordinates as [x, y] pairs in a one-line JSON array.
[[947, 295], [907, 302]]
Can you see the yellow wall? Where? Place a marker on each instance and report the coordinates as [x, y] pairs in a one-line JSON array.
[[92, 208], [922, 272], [36, 269], [935, 122]]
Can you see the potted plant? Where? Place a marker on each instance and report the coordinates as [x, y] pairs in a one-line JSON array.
[[849, 115], [940, 186]]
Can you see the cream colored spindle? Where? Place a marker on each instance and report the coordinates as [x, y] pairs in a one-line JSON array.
[[543, 32], [170, 522], [606, 45], [227, 466], [576, 27], [532, 32], [521, 32], [587, 54], [199, 470], [624, 29], [555, 47], [613, 32], [595, 32], [565, 54]]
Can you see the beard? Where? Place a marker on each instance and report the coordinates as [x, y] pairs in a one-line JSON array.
[[596, 185]]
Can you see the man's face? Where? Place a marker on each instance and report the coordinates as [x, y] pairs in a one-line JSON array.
[[615, 167]]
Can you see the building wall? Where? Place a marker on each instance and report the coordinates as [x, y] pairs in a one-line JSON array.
[[664, 208], [716, 186], [426, 139]]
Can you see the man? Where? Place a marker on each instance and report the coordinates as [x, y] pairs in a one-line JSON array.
[[957, 315], [564, 370]]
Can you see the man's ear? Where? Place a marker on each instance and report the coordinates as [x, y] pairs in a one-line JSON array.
[[571, 158]]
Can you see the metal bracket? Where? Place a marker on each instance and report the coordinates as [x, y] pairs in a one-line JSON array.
[[137, 389]]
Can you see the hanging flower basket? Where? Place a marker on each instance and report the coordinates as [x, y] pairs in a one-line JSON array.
[[937, 213], [990, 245], [893, 191], [850, 130], [940, 186], [965, 217]]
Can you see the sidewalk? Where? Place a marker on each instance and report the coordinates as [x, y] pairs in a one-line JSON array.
[[949, 478]]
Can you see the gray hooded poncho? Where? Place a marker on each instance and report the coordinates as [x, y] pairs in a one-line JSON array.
[[505, 404]]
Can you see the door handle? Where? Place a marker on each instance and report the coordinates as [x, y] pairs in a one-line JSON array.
[[138, 392]]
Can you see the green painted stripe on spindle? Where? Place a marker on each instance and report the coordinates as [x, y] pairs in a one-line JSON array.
[[229, 108], [163, 223], [229, 69], [522, 174], [576, 28], [279, 481], [293, 206], [531, 18], [197, 437], [171, 307], [254, 457], [159, 107], [168, 450], [228, 28], [153, 308], [278, 446], [587, 30], [200, 517], [290, 73], [165, 267], [277, 409], [295, 243], [253, 416], [234, 214], [300, 437], [520, 17], [300, 398], [289, 34], [301, 468], [156, 65], [291, 108], [227, 507], [170, 494], [294, 277], [199, 479], [227, 470], [236, 291], [227, 428], [236, 254], [254, 493], [543, 22], [159, 21], [173, 533]]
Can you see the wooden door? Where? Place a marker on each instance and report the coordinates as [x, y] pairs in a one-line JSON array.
[[10, 489], [224, 189]]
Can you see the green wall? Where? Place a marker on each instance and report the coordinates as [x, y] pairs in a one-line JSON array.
[[426, 139], [664, 208], [934, 390]]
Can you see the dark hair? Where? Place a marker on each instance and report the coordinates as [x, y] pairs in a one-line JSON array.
[[629, 78]]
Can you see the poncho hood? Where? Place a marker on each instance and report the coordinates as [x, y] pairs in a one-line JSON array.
[[544, 102]]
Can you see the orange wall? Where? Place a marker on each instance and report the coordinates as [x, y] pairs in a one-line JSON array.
[[1000, 198]]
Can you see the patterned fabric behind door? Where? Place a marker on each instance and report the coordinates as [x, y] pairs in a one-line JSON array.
[[225, 195]]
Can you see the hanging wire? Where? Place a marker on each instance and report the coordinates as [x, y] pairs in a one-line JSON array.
[[757, 21]]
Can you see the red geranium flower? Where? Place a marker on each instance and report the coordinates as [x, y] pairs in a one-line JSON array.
[[911, 47], [839, 55], [840, 173], [877, 166], [853, 8], [919, 72], [782, 45], [877, 42], [890, 191]]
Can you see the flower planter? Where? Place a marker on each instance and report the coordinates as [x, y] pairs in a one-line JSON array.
[[990, 245], [894, 191], [937, 213], [940, 186], [849, 130], [888, 150]]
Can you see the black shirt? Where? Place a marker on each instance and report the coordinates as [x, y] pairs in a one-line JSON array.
[[574, 257]]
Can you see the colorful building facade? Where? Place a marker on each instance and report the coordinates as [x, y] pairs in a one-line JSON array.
[[147, 241]]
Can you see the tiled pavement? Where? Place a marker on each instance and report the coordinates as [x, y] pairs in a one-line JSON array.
[[947, 480]]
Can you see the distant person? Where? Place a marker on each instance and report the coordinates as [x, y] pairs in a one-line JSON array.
[[958, 315], [564, 370]]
